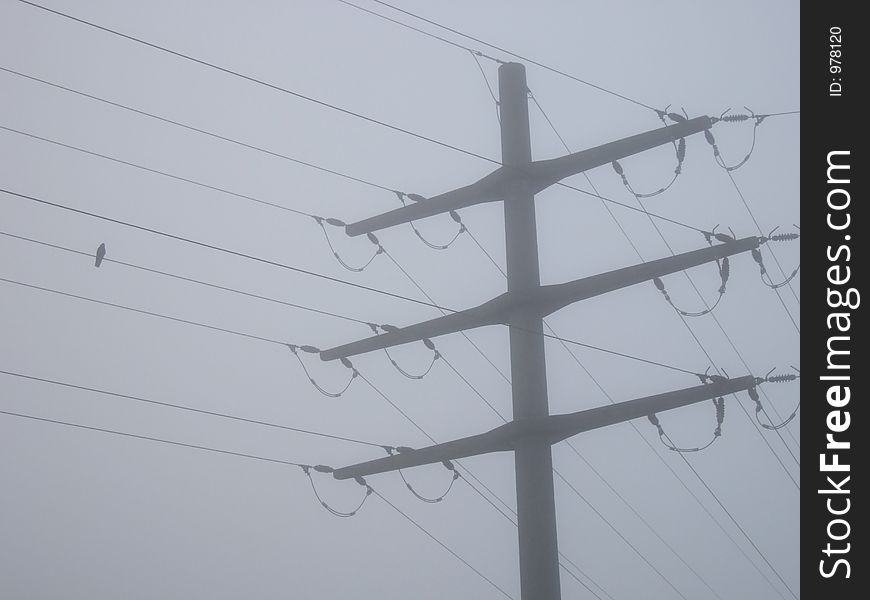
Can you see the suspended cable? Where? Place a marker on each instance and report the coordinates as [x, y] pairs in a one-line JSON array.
[[326, 313], [724, 239], [620, 535], [376, 329], [448, 465], [711, 140], [724, 271], [523, 58], [296, 349], [329, 470], [375, 388], [252, 457], [418, 30], [635, 428], [453, 215], [218, 248], [186, 408], [258, 81], [341, 224], [719, 404], [319, 102], [736, 523]]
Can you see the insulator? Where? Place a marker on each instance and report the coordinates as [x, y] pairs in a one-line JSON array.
[[389, 328], [724, 238], [415, 197], [784, 237], [782, 378], [653, 419], [448, 465], [677, 118], [709, 137], [756, 255], [428, 343], [753, 393], [373, 239], [360, 481], [735, 118], [310, 349], [346, 362], [720, 410], [725, 270], [323, 469], [335, 222], [659, 284], [617, 167], [455, 216], [404, 449], [681, 150]]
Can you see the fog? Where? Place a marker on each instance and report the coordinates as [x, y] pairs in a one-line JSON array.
[[91, 514]]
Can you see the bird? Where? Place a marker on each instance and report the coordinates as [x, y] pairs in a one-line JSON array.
[[101, 253]]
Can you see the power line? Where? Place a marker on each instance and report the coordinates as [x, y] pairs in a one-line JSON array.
[[273, 341], [710, 358], [332, 106], [251, 457], [576, 491], [426, 295], [515, 55], [443, 545], [407, 417], [697, 291], [137, 398], [262, 82], [187, 279], [674, 473], [477, 392], [618, 533], [418, 30], [291, 92], [552, 125], [266, 261], [236, 194], [220, 249], [275, 154], [736, 523], [665, 464], [776, 260], [260, 338], [189, 127], [155, 171]]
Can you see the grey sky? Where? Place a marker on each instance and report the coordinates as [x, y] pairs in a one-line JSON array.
[[89, 515]]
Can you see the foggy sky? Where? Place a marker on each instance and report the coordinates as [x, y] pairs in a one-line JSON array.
[[90, 515]]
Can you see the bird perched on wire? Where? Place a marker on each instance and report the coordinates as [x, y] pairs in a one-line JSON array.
[[101, 253]]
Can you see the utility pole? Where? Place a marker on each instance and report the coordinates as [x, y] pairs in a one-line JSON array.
[[533, 430], [533, 460]]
